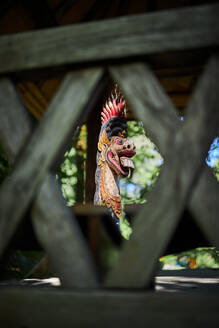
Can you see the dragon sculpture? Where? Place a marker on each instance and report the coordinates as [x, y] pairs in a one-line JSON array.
[[113, 155]]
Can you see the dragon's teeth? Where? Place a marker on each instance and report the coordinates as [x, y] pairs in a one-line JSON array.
[[126, 162]]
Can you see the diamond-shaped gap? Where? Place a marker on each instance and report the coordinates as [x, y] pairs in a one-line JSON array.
[[148, 164], [79, 193]]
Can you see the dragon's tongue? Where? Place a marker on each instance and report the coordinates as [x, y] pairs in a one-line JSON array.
[[127, 162]]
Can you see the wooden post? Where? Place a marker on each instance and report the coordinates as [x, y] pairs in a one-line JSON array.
[[93, 128]]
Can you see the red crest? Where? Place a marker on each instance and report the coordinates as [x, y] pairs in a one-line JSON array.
[[114, 107]]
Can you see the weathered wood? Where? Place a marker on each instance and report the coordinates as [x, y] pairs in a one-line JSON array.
[[154, 224], [60, 118], [123, 37], [15, 126], [32, 307], [54, 223], [60, 235]]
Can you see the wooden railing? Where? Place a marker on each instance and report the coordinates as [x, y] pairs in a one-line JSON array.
[[183, 182]]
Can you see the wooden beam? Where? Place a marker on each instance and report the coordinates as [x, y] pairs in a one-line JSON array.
[[17, 192], [120, 38], [34, 307], [15, 126], [54, 223]]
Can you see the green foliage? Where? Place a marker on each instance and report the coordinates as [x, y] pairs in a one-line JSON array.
[[67, 174], [216, 169], [109, 253], [72, 171], [202, 257], [125, 227], [147, 162]]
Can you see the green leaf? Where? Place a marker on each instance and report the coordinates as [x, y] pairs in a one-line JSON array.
[[125, 228]]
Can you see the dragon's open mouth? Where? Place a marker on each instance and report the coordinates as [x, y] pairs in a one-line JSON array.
[[122, 164]]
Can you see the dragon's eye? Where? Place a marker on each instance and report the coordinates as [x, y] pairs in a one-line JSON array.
[[119, 141]]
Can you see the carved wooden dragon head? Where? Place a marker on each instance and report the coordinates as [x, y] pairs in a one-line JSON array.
[[114, 154]]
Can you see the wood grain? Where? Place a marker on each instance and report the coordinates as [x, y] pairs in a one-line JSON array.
[[119, 38], [34, 307]]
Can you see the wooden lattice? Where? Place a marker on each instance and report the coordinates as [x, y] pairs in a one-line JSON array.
[[183, 182]]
